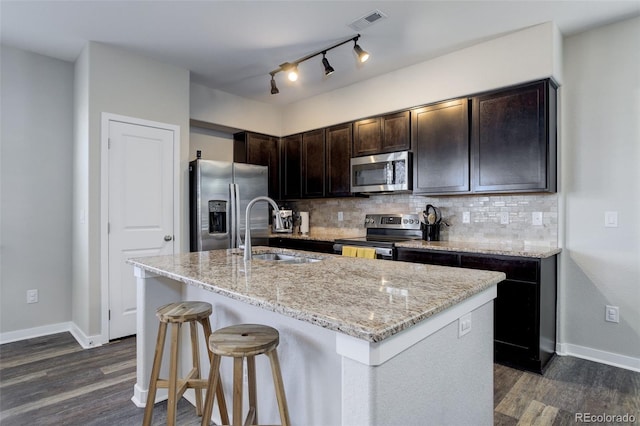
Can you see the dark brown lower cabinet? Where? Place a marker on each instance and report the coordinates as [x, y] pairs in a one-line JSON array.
[[524, 310], [300, 244]]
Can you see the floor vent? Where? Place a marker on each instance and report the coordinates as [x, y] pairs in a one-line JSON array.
[[367, 20]]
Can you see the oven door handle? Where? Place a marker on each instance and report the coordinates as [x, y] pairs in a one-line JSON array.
[[383, 252]]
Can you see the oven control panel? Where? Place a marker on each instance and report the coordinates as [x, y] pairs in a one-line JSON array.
[[392, 221]]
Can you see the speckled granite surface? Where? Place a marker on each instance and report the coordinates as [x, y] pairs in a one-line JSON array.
[[365, 298], [505, 249]]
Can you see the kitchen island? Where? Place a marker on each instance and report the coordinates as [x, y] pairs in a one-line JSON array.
[[362, 341]]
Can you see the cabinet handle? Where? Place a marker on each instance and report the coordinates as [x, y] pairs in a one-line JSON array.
[[168, 237]]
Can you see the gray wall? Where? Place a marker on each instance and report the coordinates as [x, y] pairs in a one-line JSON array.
[[600, 154], [35, 181], [214, 145], [115, 81]]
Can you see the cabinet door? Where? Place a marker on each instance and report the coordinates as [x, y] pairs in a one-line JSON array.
[[263, 150], [513, 144], [515, 316], [255, 148], [367, 137], [440, 139], [313, 167], [338, 154], [395, 132], [290, 150]]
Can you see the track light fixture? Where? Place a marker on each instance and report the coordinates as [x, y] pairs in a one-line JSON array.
[[363, 55], [328, 69], [291, 68], [274, 88]]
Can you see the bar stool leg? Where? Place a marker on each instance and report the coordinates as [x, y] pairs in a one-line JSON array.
[[222, 404], [253, 400], [214, 382], [173, 375], [279, 385], [237, 391], [155, 373], [195, 357]]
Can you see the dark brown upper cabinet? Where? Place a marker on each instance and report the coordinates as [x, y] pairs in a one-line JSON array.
[[290, 170], [387, 133], [313, 164], [440, 140], [255, 148], [513, 139], [338, 140]]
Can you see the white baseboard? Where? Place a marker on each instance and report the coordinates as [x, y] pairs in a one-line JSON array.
[[85, 341], [596, 355], [29, 333]]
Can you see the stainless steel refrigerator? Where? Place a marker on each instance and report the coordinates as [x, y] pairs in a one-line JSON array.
[[218, 196]]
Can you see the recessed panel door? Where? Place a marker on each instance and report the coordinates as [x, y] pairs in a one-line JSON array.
[[141, 202]]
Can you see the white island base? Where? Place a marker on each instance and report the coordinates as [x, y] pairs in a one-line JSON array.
[[424, 375]]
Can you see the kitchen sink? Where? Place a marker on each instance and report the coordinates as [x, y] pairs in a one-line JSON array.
[[284, 258]]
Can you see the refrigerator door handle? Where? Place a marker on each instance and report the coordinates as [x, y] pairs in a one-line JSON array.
[[237, 215], [232, 215]]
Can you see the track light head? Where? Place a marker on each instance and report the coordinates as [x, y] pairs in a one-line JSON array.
[[363, 55], [292, 72], [274, 88], [328, 69]]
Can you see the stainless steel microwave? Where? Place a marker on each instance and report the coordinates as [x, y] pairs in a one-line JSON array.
[[381, 173]]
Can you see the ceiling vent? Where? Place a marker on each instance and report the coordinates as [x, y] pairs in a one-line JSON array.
[[367, 20]]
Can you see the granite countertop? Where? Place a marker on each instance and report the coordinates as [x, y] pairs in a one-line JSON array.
[[520, 249], [368, 299], [505, 249]]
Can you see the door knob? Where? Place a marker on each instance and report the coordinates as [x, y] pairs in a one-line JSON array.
[[168, 237]]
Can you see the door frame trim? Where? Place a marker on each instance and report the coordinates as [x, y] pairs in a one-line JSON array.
[[104, 203]]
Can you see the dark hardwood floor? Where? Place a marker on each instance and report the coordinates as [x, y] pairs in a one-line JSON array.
[[51, 380]]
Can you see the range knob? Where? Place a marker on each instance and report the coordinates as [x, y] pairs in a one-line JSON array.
[[405, 221]]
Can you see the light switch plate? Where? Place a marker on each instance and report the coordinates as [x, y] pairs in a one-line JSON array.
[[611, 219], [466, 217]]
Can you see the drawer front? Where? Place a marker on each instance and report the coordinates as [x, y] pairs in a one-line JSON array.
[[515, 268], [428, 257]]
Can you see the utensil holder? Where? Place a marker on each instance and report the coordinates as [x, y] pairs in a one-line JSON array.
[[431, 232]]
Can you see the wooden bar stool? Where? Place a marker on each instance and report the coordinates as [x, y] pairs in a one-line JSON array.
[[245, 341], [178, 314]]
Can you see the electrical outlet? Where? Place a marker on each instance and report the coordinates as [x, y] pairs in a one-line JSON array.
[[466, 217], [464, 325], [32, 296], [611, 219], [611, 314], [340, 216], [504, 218], [536, 218]]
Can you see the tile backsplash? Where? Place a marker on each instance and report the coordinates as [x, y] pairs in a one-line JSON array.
[[484, 212]]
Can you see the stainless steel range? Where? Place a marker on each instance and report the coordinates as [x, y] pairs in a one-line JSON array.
[[383, 232]]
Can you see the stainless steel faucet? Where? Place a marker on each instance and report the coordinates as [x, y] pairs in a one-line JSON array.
[[247, 226]]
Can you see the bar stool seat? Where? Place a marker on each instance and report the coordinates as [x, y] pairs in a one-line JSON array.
[[177, 314], [239, 342]]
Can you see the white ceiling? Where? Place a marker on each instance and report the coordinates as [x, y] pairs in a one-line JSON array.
[[232, 45]]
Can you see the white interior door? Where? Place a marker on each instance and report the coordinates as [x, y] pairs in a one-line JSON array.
[[140, 211]]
